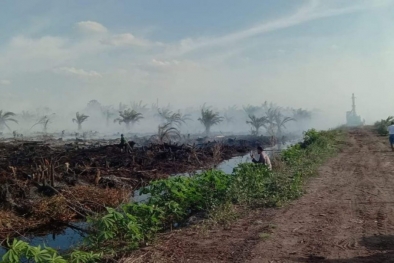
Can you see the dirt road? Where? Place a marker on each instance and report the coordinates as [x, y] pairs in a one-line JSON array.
[[347, 215]]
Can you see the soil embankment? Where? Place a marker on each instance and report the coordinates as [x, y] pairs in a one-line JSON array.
[[346, 215]]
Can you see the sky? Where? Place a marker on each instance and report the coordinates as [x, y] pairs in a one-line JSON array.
[[304, 54]]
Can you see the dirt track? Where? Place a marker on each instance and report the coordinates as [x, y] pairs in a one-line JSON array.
[[347, 215]]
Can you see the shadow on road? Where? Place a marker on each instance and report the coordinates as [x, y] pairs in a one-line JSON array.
[[382, 245]]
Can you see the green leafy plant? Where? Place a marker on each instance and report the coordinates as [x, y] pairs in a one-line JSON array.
[[20, 250], [381, 126]]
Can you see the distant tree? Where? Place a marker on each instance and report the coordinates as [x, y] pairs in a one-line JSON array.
[[6, 117], [176, 118], [280, 121], [271, 124], [209, 118], [108, 113], [301, 114], [122, 106], [93, 106], [251, 110], [257, 123], [27, 116], [139, 106], [79, 119], [128, 117], [43, 121]]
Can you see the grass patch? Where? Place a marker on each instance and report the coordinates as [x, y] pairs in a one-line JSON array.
[[264, 236]]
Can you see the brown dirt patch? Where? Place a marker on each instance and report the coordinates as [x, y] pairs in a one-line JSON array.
[[347, 215]]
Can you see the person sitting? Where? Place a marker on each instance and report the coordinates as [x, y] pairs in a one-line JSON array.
[[262, 157]]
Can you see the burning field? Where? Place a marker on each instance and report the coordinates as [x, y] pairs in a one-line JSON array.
[[51, 181]]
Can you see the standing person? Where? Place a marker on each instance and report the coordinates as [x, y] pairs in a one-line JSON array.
[[391, 135], [122, 144], [262, 157]]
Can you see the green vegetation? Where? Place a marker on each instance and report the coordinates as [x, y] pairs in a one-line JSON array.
[[175, 199], [20, 251], [381, 126]]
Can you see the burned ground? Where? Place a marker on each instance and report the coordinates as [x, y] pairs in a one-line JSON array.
[[53, 181]]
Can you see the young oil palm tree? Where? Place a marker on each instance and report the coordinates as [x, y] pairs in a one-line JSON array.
[[280, 121], [209, 118], [129, 117], [43, 121], [139, 106], [270, 116], [166, 132], [6, 117], [257, 123], [108, 113], [176, 118], [79, 119], [301, 114], [251, 110]]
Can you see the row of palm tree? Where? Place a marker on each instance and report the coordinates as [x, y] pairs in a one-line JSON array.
[[268, 116], [273, 121]]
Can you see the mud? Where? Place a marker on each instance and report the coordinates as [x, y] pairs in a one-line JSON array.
[[346, 215]]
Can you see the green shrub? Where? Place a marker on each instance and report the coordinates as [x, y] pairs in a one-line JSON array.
[[381, 126]]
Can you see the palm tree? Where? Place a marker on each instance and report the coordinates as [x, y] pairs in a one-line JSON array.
[[44, 121], [251, 110], [301, 114], [228, 118], [140, 107], [271, 115], [164, 113], [173, 117], [257, 123], [79, 119], [128, 117], [122, 106], [107, 111], [27, 116], [209, 118], [6, 117], [280, 121], [166, 132]]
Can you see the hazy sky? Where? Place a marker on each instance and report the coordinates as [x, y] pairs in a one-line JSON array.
[[309, 54]]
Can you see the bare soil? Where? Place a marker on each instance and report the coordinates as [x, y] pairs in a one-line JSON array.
[[346, 215]]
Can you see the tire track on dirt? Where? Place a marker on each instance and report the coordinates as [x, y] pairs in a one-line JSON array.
[[347, 214]]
